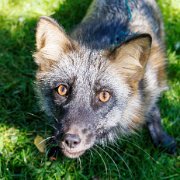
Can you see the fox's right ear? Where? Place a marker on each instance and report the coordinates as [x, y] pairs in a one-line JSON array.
[[51, 41], [131, 57]]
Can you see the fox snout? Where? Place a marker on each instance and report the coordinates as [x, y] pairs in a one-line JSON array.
[[71, 140], [76, 140]]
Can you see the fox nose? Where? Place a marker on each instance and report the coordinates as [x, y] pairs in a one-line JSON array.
[[72, 140]]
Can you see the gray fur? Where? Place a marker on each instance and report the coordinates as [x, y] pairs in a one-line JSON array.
[[108, 24], [108, 20]]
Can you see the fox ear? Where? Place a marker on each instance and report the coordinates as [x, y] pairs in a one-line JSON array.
[[131, 57], [51, 40]]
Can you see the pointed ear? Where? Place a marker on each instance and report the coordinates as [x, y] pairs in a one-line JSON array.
[[51, 41], [131, 57]]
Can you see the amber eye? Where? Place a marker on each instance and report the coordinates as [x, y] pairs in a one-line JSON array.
[[104, 96], [62, 90]]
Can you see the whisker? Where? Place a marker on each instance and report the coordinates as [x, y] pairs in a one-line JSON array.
[[79, 159], [117, 146], [46, 139], [139, 148], [52, 126], [122, 160], [91, 156], [102, 160], [55, 119], [91, 153], [110, 158], [34, 115]]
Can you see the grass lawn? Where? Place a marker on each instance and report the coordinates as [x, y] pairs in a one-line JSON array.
[[21, 120]]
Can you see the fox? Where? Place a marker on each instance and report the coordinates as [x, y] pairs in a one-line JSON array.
[[102, 81]]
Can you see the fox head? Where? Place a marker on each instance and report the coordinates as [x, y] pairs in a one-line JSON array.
[[94, 95]]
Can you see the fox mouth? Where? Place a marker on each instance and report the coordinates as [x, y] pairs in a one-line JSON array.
[[72, 154]]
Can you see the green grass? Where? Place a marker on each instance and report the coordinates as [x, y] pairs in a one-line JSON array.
[[21, 119]]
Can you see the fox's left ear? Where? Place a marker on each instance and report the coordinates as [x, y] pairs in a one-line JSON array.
[[131, 57], [51, 41]]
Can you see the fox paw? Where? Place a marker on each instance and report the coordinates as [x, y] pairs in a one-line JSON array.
[[168, 144]]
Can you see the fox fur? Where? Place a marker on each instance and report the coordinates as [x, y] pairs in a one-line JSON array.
[[119, 48]]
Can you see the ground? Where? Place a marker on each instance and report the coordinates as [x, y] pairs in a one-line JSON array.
[[21, 119]]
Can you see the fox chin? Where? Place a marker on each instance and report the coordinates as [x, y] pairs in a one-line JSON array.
[[102, 81]]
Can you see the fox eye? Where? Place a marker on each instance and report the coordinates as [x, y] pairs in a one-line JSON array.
[[62, 90], [104, 96]]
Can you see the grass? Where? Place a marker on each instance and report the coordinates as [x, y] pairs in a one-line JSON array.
[[21, 119]]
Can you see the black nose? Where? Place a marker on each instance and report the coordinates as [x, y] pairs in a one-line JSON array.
[[72, 140]]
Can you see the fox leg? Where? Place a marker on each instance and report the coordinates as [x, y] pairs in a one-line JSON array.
[[159, 136]]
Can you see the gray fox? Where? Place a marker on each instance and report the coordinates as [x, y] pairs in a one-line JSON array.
[[103, 80]]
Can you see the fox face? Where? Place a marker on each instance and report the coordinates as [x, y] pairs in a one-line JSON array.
[[93, 95]]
